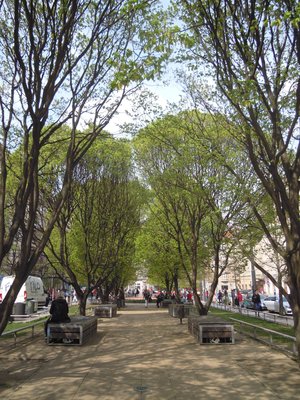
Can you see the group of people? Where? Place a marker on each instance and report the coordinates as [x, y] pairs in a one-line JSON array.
[[223, 297], [148, 298], [160, 296], [133, 292], [237, 298]]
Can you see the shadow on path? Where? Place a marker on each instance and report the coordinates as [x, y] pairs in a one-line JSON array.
[[146, 354]]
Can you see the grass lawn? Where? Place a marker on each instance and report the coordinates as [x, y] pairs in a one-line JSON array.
[[73, 310], [226, 314]]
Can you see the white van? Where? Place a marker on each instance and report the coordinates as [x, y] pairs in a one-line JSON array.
[[32, 289]]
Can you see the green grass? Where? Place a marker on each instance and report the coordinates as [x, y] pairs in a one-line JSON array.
[[20, 324], [73, 310], [226, 314], [280, 342]]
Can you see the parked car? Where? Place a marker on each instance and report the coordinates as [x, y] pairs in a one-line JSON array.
[[272, 304], [248, 303]]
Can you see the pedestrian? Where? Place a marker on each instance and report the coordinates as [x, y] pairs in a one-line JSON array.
[[147, 297], [256, 301], [48, 298], [220, 296], [59, 311], [233, 296], [238, 299], [226, 298], [159, 299]]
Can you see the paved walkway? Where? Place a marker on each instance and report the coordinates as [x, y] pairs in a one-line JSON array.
[[144, 354]]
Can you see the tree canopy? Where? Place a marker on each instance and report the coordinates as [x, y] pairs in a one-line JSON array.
[[251, 50], [199, 206], [62, 63]]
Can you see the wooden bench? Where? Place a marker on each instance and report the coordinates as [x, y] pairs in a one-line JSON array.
[[211, 330], [105, 311], [75, 332]]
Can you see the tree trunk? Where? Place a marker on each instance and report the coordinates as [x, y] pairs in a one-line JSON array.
[[201, 309], [176, 288], [281, 309], [6, 308], [82, 307], [168, 284], [104, 297], [82, 299], [7, 304], [294, 297]]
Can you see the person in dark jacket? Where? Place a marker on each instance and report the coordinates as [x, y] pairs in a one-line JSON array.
[[159, 299], [256, 301], [59, 311]]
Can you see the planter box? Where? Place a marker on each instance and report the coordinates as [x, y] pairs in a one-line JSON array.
[[166, 302], [211, 330], [106, 311], [180, 310], [75, 332]]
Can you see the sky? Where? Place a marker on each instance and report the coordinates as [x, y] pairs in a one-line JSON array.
[[166, 93]]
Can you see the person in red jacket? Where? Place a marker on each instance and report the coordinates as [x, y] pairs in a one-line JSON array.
[[239, 298]]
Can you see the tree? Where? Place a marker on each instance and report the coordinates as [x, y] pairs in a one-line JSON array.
[[197, 198], [62, 62], [93, 240], [156, 251], [253, 51]]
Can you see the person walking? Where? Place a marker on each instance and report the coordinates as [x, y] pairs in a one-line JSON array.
[[220, 296], [147, 297], [233, 297], [159, 299], [189, 297], [226, 298], [238, 299], [257, 302]]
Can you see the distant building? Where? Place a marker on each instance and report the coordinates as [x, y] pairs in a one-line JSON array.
[[249, 276]]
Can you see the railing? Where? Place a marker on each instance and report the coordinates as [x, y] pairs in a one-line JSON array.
[[265, 315], [15, 332], [275, 339]]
